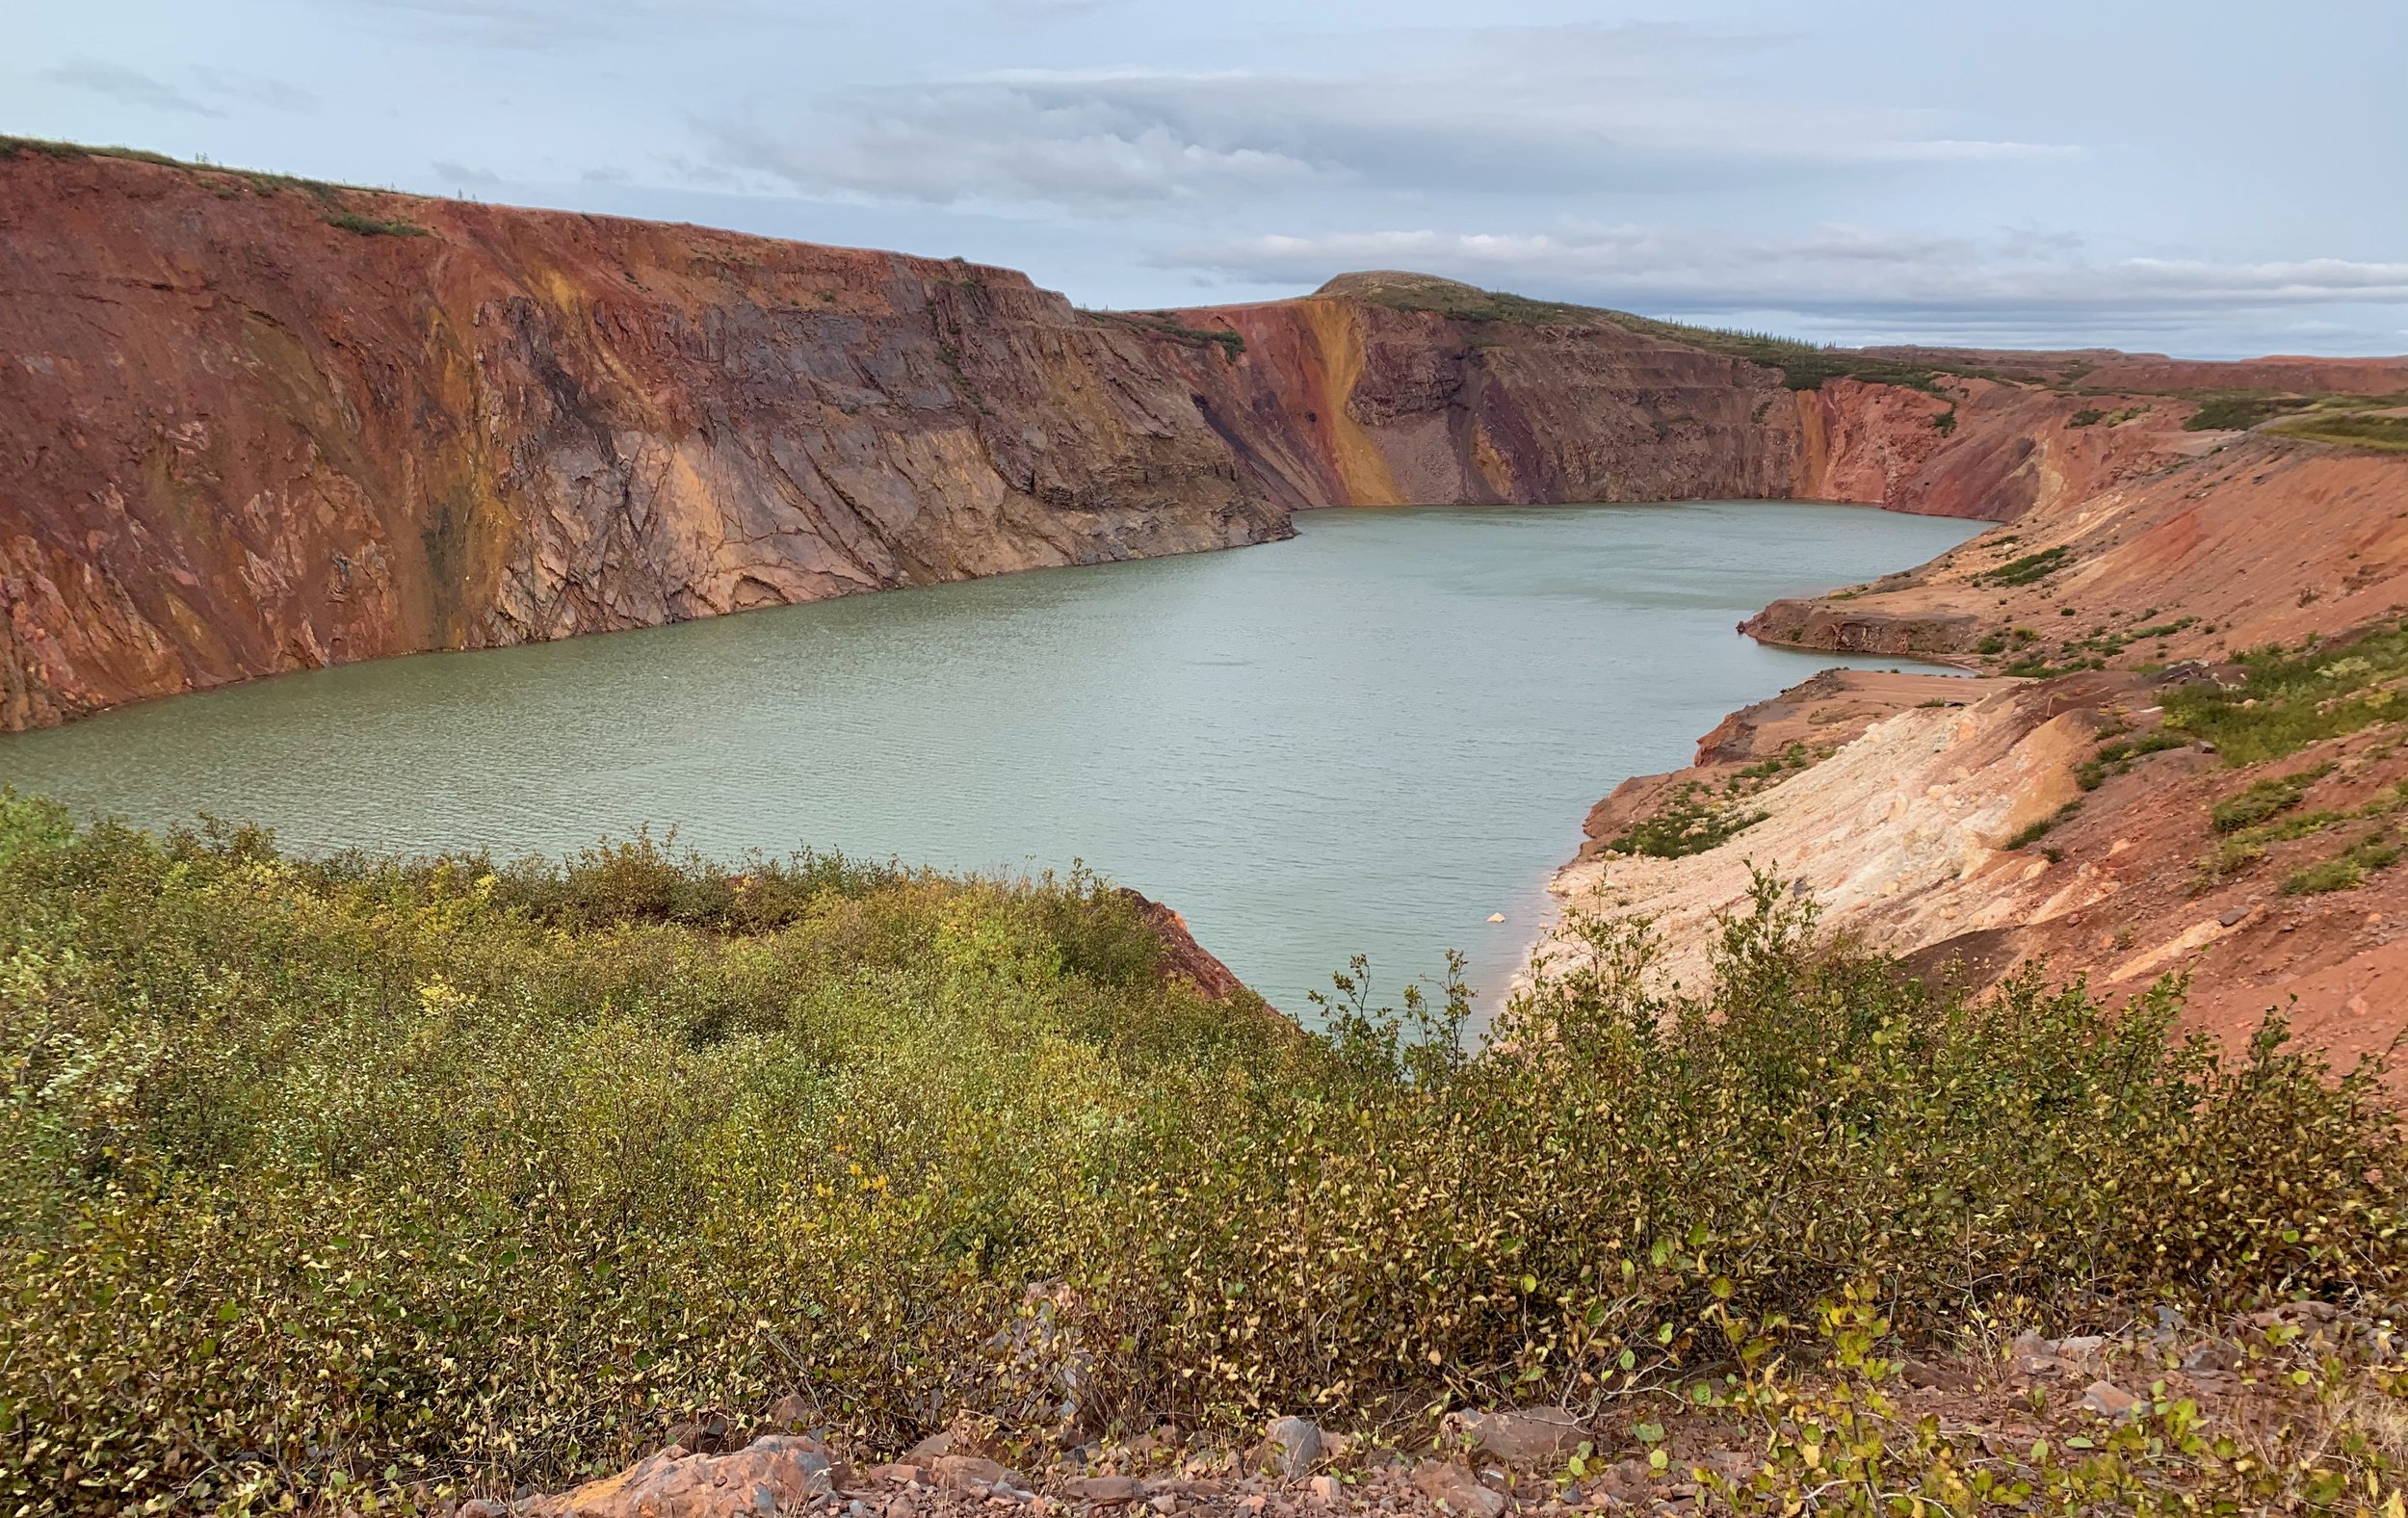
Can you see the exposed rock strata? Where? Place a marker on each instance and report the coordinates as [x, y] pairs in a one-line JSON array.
[[244, 439], [2265, 541], [257, 427], [1911, 825]]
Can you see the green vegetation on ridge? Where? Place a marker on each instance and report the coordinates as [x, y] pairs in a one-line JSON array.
[[318, 1179], [1803, 366]]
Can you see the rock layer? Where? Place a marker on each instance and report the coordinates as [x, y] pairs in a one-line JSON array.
[[256, 425], [254, 428]]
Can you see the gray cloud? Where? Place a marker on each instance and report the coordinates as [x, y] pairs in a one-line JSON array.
[[548, 25], [462, 176], [246, 89], [128, 86], [1553, 110], [2017, 279]]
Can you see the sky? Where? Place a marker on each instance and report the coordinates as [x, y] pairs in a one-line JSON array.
[[2208, 178]]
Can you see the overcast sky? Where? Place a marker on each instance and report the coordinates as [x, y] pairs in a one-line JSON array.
[[2197, 176]]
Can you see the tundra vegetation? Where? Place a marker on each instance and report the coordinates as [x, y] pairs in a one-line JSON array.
[[346, 1183]]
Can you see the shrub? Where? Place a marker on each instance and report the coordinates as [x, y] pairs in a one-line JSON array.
[[1690, 821], [2028, 568], [2290, 700], [2239, 409], [2263, 798], [2385, 434], [2347, 869], [2034, 831], [374, 225], [322, 1180]]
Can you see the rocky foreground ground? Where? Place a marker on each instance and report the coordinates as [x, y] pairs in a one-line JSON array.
[[2256, 1416]]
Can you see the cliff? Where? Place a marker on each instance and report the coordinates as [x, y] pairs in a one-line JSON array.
[[256, 426], [259, 425]]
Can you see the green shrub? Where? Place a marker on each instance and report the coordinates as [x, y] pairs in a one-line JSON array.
[[2290, 700], [1690, 821], [2034, 831], [2263, 798], [2239, 409], [2028, 568], [2386, 434], [322, 1180], [2347, 869]]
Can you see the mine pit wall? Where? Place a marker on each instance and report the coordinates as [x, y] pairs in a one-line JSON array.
[[244, 439], [255, 426], [1338, 402]]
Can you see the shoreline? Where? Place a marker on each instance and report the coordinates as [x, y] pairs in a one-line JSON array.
[[2072, 813]]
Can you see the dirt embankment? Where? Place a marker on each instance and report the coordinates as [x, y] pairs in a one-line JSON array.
[[2075, 807], [2264, 541]]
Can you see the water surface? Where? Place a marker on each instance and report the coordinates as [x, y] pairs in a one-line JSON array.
[[1365, 740]]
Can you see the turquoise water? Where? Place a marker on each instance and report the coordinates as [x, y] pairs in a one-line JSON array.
[[1365, 739]]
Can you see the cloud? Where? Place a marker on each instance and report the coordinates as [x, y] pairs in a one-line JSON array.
[[245, 89], [128, 86], [549, 25], [1534, 110], [2017, 279], [462, 176]]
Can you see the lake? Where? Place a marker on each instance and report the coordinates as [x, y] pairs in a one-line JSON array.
[[1363, 741]]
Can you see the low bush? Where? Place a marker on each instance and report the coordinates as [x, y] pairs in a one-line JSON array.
[[2028, 568], [1690, 821], [324, 1181], [2290, 699]]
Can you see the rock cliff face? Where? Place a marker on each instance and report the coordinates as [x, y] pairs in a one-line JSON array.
[[251, 425], [251, 428], [1339, 400]]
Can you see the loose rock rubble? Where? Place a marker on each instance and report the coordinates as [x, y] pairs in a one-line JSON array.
[[1542, 1461]]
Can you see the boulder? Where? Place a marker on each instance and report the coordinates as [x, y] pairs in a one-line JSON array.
[[790, 1413], [771, 1475], [1293, 1445], [1454, 1488], [1109, 1491], [2109, 1400], [1533, 1438], [972, 1472], [1933, 1376]]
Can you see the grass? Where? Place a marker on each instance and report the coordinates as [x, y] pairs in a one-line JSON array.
[[2028, 568], [374, 225], [324, 1181], [1690, 822], [1802, 366], [2383, 434], [256, 180], [2292, 698]]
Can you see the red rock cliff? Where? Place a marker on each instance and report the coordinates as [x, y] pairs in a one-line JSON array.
[[243, 437], [253, 424]]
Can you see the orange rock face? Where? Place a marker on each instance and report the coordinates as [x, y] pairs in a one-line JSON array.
[[2266, 540], [253, 426], [1343, 401], [244, 439]]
